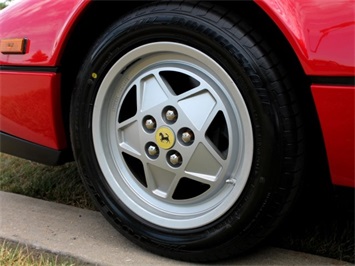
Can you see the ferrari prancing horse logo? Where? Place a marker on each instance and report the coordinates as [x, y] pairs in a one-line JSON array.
[[165, 138]]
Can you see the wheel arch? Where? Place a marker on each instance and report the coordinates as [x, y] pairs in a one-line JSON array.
[[99, 15]]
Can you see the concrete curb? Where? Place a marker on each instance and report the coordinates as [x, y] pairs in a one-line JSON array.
[[86, 235]]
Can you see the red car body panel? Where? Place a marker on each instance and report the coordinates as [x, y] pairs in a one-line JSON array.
[[30, 108], [315, 39], [30, 102], [324, 44], [321, 32], [45, 24], [335, 106]]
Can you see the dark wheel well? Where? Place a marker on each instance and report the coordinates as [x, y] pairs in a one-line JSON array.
[[95, 19], [99, 15]]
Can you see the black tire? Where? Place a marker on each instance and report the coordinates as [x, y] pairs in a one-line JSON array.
[[164, 197]]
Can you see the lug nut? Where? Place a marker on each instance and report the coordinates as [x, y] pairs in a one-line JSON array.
[[187, 136], [150, 124], [170, 115], [175, 159], [152, 150]]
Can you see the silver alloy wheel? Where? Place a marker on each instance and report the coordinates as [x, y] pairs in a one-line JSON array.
[[172, 135]]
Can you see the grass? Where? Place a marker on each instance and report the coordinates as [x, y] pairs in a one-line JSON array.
[[319, 225], [322, 223], [12, 254], [328, 233], [60, 184]]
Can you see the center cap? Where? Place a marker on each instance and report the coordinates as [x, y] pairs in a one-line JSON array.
[[165, 138]]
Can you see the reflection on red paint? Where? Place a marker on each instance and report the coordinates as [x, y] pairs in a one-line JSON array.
[[47, 30], [38, 57], [325, 42], [336, 111], [30, 108]]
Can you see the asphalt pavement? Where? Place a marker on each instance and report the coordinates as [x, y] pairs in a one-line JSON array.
[[86, 235]]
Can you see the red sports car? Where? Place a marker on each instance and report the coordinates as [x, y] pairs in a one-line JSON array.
[[193, 124]]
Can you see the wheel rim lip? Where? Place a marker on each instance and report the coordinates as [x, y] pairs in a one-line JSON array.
[[150, 208]]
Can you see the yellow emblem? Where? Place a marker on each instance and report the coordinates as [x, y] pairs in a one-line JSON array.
[[165, 138]]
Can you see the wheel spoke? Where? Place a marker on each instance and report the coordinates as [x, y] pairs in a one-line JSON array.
[[198, 107], [204, 165], [126, 123], [203, 179], [129, 136], [160, 181], [152, 92]]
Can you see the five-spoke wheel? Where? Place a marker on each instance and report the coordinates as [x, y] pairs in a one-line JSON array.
[[174, 135]]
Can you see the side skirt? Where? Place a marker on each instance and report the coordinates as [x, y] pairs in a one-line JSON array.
[[31, 151]]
